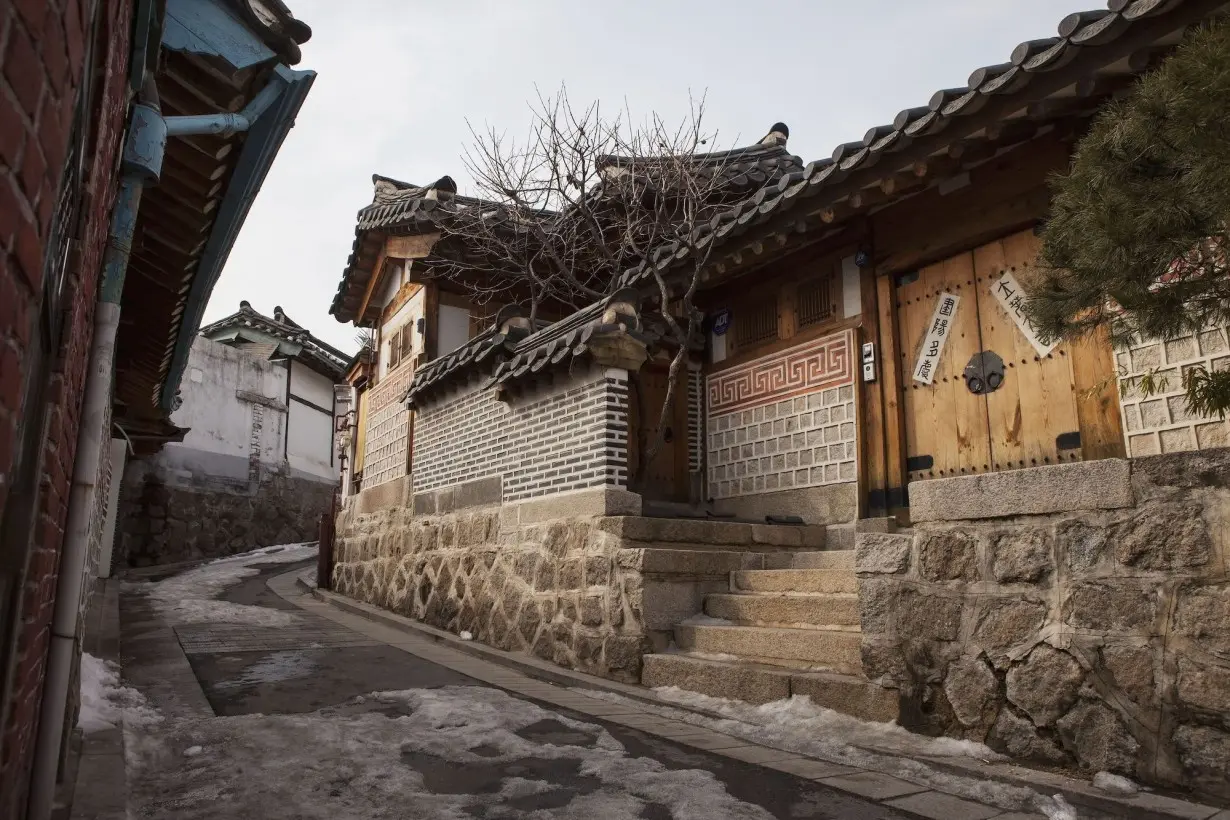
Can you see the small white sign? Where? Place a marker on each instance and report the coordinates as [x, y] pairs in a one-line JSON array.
[[936, 338], [1013, 299]]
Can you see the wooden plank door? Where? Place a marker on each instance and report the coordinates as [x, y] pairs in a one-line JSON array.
[[1050, 408], [945, 425], [666, 477], [1033, 415]]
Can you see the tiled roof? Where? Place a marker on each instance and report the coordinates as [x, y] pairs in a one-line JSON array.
[[405, 208], [1092, 39], [479, 355], [326, 358], [510, 357]]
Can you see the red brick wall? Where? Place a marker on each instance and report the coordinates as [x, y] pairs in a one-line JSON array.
[[42, 50]]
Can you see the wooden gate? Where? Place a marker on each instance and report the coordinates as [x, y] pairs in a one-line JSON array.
[[1046, 408], [666, 477]]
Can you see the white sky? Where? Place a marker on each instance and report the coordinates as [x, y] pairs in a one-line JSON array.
[[399, 78]]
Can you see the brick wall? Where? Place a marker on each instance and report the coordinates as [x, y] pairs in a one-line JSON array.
[[388, 425], [568, 438], [783, 421], [1161, 423], [42, 51]]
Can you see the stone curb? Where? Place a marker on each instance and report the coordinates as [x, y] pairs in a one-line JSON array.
[[100, 777], [525, 664], [867, 784]]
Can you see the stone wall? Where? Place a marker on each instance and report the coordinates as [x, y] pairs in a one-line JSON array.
[[560, 589], [1161, 423], [165, 523], [1075, 615]]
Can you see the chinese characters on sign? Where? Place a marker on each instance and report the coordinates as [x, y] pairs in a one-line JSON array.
[[936, 338], [1013, 299]]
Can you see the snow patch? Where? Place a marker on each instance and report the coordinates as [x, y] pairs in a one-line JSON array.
[[798, 725], [191, 597], [704, 620], [105, 702], [314, 767], [193, 751], [466, 635], [1114, 784]]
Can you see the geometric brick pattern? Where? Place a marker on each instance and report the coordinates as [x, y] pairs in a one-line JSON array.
[[571, 437], [696, 420], [1161, 423], [804, 441], [798, 371], [388, 425]]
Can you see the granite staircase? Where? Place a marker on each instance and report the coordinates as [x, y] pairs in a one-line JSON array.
[[777, 632]]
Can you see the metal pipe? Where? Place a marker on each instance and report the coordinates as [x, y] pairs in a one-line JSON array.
[[223, 125], [141, 162]]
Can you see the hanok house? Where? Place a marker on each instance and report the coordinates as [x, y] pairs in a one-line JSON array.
[[977, 556], [137, 134], [257, 464]]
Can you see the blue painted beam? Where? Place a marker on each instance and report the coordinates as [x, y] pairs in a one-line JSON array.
[[208, 27]]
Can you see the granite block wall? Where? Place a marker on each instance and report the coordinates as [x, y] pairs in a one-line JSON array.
[[1079, 637]]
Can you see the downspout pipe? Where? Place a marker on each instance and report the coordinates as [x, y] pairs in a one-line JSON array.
[[144, 150]]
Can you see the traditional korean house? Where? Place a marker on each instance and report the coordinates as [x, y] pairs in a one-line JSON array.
[[866, 367]]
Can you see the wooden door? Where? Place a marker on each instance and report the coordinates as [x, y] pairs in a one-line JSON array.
[[666, 477], [1051, 407]]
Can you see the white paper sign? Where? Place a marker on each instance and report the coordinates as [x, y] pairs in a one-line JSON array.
[[936, 338], [1013, 299]]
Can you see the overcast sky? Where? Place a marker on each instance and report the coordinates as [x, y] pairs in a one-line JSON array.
[[399, 78]]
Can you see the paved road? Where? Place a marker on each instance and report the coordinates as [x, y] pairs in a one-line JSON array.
[[289, 715]]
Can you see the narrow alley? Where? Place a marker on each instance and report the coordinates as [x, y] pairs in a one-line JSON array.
[[261, 702]]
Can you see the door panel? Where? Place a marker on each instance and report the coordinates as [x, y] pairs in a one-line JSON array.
[[944, 421], [1037, 402], [1034, 417], [666, 476]]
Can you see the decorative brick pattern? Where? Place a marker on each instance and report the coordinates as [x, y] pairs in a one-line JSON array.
[[1161, 423], [575, 436], [804, 369], [388, 426], [799, 432], [696, 414]]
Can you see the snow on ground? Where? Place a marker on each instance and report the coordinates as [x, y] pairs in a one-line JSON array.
[[705, 620], [798, 725], [452, 753], [191, 597], [105, 702], [1114, 784]]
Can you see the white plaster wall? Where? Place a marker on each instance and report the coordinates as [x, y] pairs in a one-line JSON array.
[[409, 313], [219, 439], [310, 436], [454, 328]]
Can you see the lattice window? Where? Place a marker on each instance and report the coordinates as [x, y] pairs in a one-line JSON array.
[[818, 300], [757, 322]]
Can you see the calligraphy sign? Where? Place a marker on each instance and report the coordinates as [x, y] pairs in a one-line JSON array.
[[1013, 299], [936, 338]]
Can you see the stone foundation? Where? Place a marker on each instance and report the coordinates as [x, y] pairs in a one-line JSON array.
[[163, 523], [557, 589], [1097, 637], [592, 592]]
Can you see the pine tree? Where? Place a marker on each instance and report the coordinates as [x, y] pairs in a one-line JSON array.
[[1137, 238]]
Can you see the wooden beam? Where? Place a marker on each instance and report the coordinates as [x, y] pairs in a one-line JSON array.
[[867, 197], [431, 312], [869, 401], [891, 380], [410, 247], [377, 270]]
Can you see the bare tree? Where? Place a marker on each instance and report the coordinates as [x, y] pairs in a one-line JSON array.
[[562, 214]]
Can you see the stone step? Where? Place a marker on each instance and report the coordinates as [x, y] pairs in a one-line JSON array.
[[794, 580], [713, 533], [756, 683], [834, 648], [785, 610], [821, 559]]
